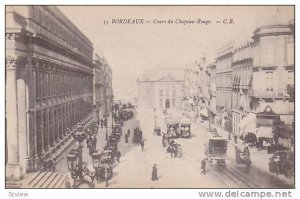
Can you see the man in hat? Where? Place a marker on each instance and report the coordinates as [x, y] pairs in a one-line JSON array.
[[106, 177], [203, 165], [118, 155], [142, 144]]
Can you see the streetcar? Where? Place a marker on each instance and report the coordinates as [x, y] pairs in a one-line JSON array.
[[185, 127], [172, 128], [216, 150]]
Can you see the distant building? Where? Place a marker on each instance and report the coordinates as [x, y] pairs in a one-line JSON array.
[[161, 89], [100, 86]]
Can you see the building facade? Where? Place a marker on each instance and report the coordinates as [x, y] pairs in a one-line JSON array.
[[108, 96], [161, 89], [242, 65], [49, 85], [255, 86], [272, 92], [99, 87], [224, 86], [212, 88]]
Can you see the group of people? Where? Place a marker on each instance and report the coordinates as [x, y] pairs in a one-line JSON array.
[[172, 147], [91, 141], [127, 135], [103, 122]]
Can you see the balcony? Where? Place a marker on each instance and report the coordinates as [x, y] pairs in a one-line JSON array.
[[268, 94]]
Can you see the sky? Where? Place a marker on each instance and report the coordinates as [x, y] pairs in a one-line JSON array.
[[131, 49]]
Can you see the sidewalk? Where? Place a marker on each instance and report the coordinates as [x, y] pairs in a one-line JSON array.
[[260, 159]]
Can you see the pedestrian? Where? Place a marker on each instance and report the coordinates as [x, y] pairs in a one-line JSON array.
[[106, 177], [277, 164], [126, 138], [105, 121], [170, 148], [235, 139], [101, 122], [163, 141], [175, 150], [203, 165], [142, 145], [154, 173], [118, 155], [128, 132]]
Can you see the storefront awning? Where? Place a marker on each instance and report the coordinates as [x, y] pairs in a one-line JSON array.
[[248, 123], [264, 131]]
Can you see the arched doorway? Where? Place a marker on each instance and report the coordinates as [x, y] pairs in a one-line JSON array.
[[167, 103]]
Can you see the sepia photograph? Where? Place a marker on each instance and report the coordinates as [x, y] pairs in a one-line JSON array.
[[149, 97]]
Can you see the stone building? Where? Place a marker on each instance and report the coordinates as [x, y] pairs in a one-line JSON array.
[[99, 87], [242, 65], [49, 85], [224, 86], [212, 87], [272, 91], [161, 89], [108, 96], [255, 86]]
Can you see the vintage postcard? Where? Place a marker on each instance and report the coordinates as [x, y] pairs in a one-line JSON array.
[[155, 97]]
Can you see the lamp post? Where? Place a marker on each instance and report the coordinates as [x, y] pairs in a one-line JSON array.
[[209, 115], [155, 117], [96, 157], [74, 161], [106, 134]]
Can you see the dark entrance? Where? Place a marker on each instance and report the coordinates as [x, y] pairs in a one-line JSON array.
[[167, 103]]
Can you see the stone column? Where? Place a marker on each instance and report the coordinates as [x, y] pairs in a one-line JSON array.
[[22, 99], [13, 168]]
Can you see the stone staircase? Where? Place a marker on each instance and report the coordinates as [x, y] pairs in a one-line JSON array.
[[46, 180]]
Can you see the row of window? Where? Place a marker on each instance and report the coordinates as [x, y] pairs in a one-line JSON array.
[[49, 21], [161, 93], [224, 80], [49, 84], [52, 122]]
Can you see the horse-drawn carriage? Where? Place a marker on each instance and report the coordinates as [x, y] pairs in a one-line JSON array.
[[137, 135], [216, 150], [242, 155], [107, 157]]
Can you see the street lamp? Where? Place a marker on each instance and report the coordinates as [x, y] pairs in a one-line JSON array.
[[96, 159], [74, 161], [106, 134]]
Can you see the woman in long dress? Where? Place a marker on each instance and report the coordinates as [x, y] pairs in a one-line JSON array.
[[154, 173]]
